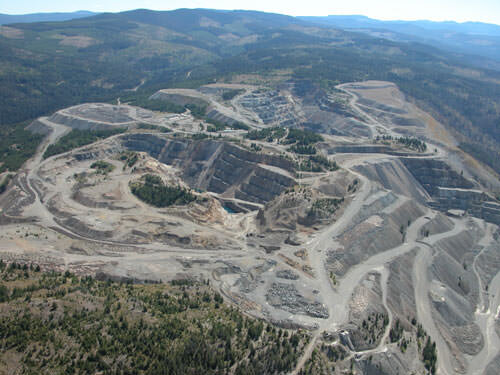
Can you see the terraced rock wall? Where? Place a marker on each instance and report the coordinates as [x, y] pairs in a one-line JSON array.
[[218, 166], [450, 190], [433, 173], [83, 124]]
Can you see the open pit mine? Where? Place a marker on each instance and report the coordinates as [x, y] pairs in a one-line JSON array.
[[349, 215]]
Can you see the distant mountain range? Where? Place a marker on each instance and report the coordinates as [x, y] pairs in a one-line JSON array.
[[409, 27], [474, 38], [469, 38], [43, 17]]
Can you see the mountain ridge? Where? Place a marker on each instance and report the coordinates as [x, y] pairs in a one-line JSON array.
[[476, 38], [44, 17], [466, 27]]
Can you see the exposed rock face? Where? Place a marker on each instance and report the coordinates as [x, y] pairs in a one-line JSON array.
[[326, 112], [393, 362], [216, 115], [303, 207], [81, 228], [377, 105], [488, 264], [393, 175], [459, 199], [286, 297], [287, 274], [263, 186], [39, 127], [490, 211], [179, 99], [374, 208], [367, 149], [213, 110], [455, 252], [439, 224], [96, 116], [76, 123], [271, 107], [322, 121], [373, 233], [113, 114], [433, 173], [493, 367], [219, 167], [381, 112], [474, 202], [454, 292], [450, 190], [401, 295], [273, 264]]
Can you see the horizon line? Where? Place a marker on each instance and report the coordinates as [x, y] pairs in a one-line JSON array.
[[254, 10]]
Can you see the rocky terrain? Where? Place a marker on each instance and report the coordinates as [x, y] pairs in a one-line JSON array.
[[385, 251]]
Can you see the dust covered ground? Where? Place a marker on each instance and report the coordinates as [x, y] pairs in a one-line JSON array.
[[385, 250]]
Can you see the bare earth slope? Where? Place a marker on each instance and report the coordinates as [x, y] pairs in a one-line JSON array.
[[386, 251]]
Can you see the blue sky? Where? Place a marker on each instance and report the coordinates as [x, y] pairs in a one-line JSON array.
[[438, 10]]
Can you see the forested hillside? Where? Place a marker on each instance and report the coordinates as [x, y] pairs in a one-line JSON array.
[[60, 323], [47, 66], [470, 38]]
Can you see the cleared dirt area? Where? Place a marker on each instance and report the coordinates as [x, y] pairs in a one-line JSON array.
[[347, 242], [386, 106], [11, 32], [78, 41]]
